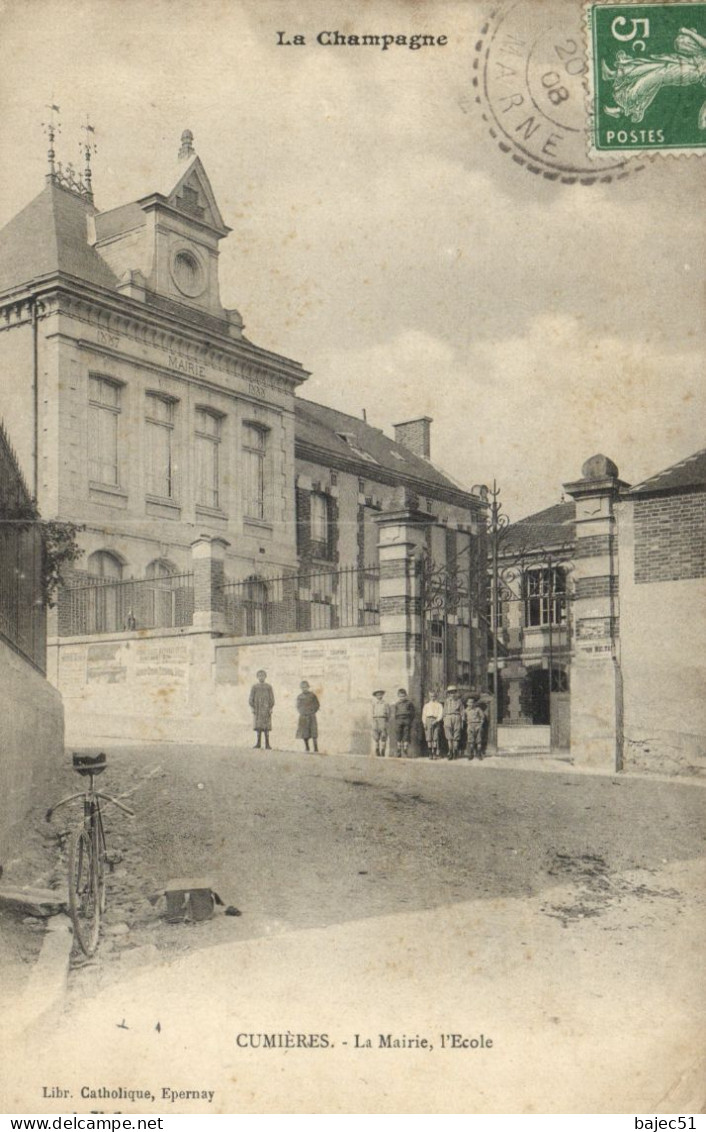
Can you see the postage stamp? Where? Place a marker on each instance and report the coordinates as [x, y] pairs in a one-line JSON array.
[[647, 77], [529, 80]]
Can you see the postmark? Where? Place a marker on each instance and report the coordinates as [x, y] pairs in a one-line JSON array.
[[529, 76], [647, 77]]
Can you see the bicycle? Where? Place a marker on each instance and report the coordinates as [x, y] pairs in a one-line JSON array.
[[88, 854]]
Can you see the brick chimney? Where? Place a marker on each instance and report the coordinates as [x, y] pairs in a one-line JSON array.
[[415, 435]]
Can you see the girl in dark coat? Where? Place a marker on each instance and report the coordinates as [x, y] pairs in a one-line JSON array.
[[262, 701], [307, 706]]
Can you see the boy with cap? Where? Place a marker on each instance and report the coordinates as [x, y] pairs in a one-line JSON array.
[[453, 718], [381, 721], [403, 714], [475, 717]]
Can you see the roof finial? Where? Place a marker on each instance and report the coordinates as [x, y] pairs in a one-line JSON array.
[[187, 145], [88, 147], [51, 129]]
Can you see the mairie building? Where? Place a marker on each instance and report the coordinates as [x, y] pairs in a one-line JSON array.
[[227, 522]]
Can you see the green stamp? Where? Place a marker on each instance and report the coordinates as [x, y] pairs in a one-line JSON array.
[[648, 76]]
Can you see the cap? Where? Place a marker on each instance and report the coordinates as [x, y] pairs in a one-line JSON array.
[[379, 692], [401, 691], [452, 688]]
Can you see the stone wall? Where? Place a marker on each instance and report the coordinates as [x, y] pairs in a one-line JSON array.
[[32, 745], [186, 686]]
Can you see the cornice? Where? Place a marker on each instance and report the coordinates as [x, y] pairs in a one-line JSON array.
[[119, 316]]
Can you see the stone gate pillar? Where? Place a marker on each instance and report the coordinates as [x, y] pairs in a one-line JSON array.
[[596, 680], [208, 558], [401, 539]]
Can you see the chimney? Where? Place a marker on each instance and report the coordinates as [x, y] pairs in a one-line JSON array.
[[415, 435]]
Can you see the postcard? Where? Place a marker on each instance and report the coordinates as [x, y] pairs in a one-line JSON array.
[[351, 576]]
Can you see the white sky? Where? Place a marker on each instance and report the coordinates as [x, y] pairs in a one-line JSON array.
[[379, 235]]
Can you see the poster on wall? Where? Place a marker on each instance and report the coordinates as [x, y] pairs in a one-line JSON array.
[[350, 366]]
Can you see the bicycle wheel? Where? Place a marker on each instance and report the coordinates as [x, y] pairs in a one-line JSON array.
[[86, 887]]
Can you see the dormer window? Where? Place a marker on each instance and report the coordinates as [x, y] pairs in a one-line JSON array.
[[189, 201], [351, 440]]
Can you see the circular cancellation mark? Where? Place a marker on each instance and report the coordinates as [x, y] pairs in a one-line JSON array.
[[529, 80]]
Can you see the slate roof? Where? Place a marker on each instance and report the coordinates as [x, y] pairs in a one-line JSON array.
[[688, 473], [555, 526], [50, 235], [322, 428]]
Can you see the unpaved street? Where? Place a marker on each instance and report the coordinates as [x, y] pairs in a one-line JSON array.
[[296, 841], [557, 916]]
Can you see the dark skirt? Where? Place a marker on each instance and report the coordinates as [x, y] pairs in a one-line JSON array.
[[308, 727]]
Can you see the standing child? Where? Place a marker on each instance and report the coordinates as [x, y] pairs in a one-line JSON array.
[[475, 717], [403, 716], [262, 701], [431, 722], [453, 712], [381, 721], [307, 706]]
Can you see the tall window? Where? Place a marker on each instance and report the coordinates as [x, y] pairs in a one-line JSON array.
[[320, 520], [255, 457], [103, 417], [159, 419], [206, 444], [545, 596]]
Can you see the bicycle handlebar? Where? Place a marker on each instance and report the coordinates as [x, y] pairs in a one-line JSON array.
[[73, 797]]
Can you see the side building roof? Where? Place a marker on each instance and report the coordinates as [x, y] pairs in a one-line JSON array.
[[688, 474], [555, 526], [324, 434]]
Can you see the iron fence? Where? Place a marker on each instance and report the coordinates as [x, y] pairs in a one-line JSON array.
[[99, 605], [22, 608], [305, 601]]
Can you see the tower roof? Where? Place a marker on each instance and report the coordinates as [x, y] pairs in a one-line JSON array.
[[50, 236]]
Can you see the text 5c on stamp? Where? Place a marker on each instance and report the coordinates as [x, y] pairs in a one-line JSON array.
[[647, 71]]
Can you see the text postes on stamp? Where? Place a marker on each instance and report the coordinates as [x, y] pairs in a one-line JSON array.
[[648, 76], [530, 80]]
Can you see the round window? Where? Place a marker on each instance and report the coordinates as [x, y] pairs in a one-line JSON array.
[[188, 273]]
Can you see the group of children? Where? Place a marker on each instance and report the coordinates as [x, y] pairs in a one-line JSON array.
[[452, 716]]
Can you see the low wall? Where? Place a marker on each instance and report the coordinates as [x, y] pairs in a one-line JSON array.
[[186, 686], [342, 671], [32, 744]]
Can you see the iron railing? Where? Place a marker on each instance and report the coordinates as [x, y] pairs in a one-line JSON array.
[[305, 601], [99, 605], [22, 606]]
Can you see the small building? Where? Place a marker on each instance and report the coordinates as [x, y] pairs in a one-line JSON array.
[[601, 622]]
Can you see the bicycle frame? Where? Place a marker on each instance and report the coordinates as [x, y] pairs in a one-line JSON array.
[[88, 856]]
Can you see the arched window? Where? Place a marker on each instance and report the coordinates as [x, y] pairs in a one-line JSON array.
[[160, 597], [105, 566], [160, 568], [104, 601]]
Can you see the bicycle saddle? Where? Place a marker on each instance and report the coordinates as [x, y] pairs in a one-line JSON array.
[[89, 764]]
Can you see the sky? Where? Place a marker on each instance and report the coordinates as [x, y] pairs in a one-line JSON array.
[[379, 235]]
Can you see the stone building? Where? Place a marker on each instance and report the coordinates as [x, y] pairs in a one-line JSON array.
[[213, 499]]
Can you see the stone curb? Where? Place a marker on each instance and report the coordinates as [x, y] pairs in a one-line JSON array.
[[46, 987]]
